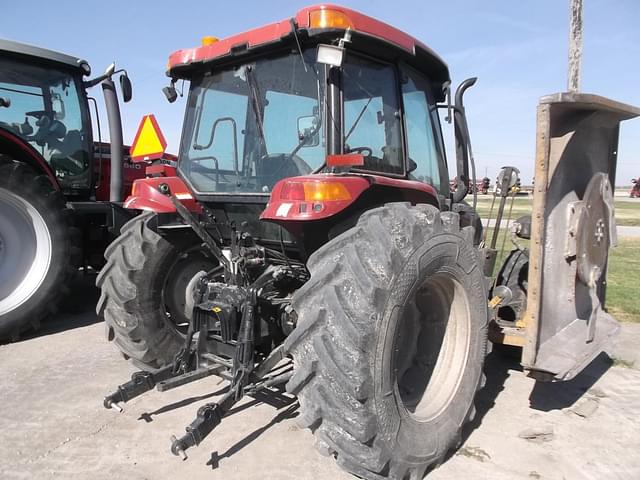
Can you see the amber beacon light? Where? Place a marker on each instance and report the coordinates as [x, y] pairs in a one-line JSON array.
[[327, 18]]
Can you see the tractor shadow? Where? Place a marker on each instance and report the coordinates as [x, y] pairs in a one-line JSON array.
[[274, 397], [148, 416], [286, 405], [75, 311], [544, 396], [548, 396], [497, 368], [291, 411]]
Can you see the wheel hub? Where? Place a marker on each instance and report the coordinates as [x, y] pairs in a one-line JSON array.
[[25, 250], [431, 347], [187, 265]]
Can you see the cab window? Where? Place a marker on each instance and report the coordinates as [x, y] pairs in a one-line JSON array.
[[371, 122], [424, 158], [218, 139], [284, 114], [45, 110]]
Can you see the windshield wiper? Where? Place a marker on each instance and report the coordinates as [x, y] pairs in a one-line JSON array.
[[255, 104], [364, 109], [353, 127]]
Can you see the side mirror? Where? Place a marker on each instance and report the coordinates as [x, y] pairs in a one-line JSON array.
[[171, 93], [308, 131], [446, 91], [125, 86], [57, 105]]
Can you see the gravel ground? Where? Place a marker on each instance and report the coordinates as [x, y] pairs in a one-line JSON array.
[[54, 426]]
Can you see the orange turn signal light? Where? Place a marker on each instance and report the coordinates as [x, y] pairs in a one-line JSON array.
[[327, 18], [325, 191], [314, 191]]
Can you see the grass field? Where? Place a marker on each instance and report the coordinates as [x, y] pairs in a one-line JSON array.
[[623, 291], [627, 212]]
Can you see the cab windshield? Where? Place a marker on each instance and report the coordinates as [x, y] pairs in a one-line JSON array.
[[249, 126], [46, 110]]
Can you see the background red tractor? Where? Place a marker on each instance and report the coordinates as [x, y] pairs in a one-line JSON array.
[[59, 190], [309, 238], [635, 188]]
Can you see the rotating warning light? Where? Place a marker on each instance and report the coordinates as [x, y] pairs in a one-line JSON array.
[[328, 18], [208, 40]]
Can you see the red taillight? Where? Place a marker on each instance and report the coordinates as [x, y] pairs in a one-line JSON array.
[[292, 191], [346, 160]]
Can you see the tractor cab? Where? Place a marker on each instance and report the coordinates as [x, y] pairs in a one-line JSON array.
[[330, 92], [44, 108], [44, 103], [254, 123]]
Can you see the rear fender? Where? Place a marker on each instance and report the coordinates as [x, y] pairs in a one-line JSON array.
[[297, 205], [145, 195], [298, 199], [18, 149]]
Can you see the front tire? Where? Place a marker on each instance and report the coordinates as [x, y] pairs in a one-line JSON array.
[[143, 286], [391, 340]]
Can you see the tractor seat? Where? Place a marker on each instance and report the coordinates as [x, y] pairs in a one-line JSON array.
[[68, 154], [274, 167]]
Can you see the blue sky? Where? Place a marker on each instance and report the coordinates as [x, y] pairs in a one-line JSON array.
[[518, 49]]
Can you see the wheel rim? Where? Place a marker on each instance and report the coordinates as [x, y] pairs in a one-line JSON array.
[[186, 266], [432, 346], [25, 251]]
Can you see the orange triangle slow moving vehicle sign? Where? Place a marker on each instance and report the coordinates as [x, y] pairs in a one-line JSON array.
[[149, 143]]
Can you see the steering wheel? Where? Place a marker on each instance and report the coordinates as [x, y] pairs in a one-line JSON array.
[[361, 150], [36, 114]]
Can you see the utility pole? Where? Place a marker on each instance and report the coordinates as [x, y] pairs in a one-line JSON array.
[[575, 45]]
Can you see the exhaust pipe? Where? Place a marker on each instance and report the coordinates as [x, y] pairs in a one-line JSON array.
[[115, 133], [463, 146]]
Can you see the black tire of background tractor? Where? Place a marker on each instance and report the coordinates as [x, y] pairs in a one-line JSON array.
[[514, 274], [343, 346], [65, 256], [139, 264]]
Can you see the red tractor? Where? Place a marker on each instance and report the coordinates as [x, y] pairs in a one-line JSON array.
[[57, 186], [635, 189], [310, 239]]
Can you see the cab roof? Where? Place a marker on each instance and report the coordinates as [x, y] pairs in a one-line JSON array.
[[373, 36], [38, 53]]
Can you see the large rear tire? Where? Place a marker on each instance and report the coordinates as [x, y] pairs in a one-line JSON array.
[[391, 340], [143, 286], [38, 252]]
